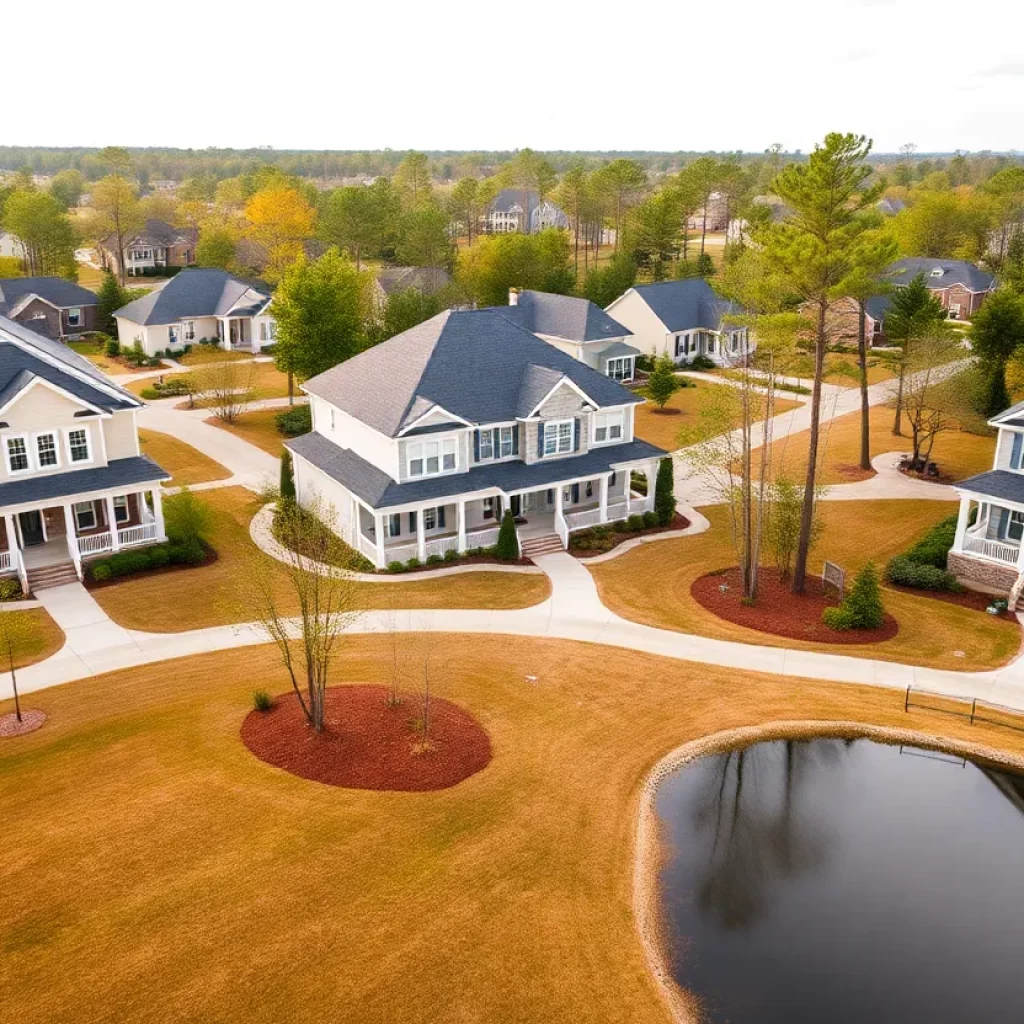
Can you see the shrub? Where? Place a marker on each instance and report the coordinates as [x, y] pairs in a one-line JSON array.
[[293, 422], [261, 700], [933, 548], [451, 555], [112, 349], [651, 519], [10, 590], [150, 394], [187, 519], [663, 383], [702, 364], [664, 492], [862, 608], [396, 567], [413, 563], [186, 554], [635, 522], [101, 572], [159, 557], [620, 526], [904, 572], [507, 548], [434, 559], [287, 485]]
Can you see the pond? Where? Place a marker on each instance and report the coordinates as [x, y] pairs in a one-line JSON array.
[[845, 881]]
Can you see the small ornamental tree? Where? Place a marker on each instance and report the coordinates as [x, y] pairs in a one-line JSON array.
[[664, 493], [287, 477], [662, 383], [508, 543], [862, 608]]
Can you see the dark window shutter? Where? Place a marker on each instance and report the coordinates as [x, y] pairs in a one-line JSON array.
[[575, 494], [496, 442], [1002, 521], [440, 515], [540, 440], [515, 439], [1018, 440], [611, 483], [551, 496], [476, 445], [577, 427], [412, 522]]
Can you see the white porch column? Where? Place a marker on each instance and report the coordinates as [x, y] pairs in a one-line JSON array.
[[651, 476], [158, 512], [460, 515], [559, 498], [115, 544], [69, 530], [421, 536], [604, 499], [378, 534], [961, 523], [12, 533]]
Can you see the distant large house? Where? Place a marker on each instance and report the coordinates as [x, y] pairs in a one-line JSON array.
[[199, 303], [684, 318], [73, 483], [717, 211], [157, 245], [393, 280], [420, 443], [577, 327], [521, 210], [51, 306]]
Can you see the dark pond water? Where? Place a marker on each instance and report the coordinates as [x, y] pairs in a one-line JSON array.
[[846, 881]]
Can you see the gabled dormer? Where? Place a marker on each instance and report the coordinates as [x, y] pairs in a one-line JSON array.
[[1010, 443]]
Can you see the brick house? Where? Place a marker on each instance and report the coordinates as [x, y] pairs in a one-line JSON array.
[[156, 246], [960, 286], [51, 306]]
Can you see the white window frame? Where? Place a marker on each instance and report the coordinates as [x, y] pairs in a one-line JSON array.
[[188, 330], [172, 334], [625, 364], [24, 439], [75, 316], [553, 428], [121, 503], [37, 455], [486, 445], [430, 518], [604, 422], [389, 518], [424, 452], [489, 508], [69, 447], [953, 311], [86, 506], [505, 442], [1016, 520]]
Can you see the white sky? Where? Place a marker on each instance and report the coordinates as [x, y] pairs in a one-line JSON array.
[[475, 74]]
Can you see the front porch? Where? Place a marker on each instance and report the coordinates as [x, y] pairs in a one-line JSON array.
[[46, 534], [988, 551]]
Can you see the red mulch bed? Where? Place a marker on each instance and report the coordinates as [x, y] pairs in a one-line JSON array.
[[160, 570], [967, 599], [366, 744], [779, 611], [615, 538], [30, 721]]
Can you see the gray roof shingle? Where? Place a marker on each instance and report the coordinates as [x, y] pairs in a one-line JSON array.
[[196, 292], [996, 483], [953, 272], [563, 316], [378, 490], [57, 291], [138, 469], [687, 304], [476, 364]]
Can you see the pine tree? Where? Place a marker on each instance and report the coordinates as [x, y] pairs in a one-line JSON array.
[[508, 543], [287, 485], [662, 384], [862, 608], [664, 493], [110, 298]]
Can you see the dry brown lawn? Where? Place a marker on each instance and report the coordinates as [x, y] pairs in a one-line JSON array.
[[265, 379], [41, 639], [154, 870], [682, 412], [187, 465], [959, 454], [651, 584], [219, 593], [256, 427]]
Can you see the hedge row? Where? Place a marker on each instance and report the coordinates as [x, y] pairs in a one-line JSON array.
[[451, 555], [924, 565], [129, 563]]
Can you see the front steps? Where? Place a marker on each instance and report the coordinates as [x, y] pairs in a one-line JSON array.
[[545, 544], [46, 576]]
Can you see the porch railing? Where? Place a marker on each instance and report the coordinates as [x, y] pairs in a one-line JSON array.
[[482, 538], [7, 563], [439, 545], [368, 548], [133, 535], [618, 510], [637, 506], [994, 549], [400, 553], [94, 544], [562, 529], [581, 520]]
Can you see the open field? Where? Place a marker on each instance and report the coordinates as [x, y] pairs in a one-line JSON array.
[[265, 380], [43, 638], [187, 465], [256, 427], [958, 453], [651, 584], [89, 277], [219, 593], [154, 870], [682, 412]]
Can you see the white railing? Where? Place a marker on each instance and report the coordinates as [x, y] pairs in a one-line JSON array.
[[368, 547], [637, 506], [993, 549], [562, 530], [133, 535], [482, 538], [439, 545], [400, 553], [618, 510], [7, 563], [581, 520], [94, 544]]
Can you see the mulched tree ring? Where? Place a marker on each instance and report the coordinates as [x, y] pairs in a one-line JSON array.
[[368, 744], [30, 721], [779, 611]]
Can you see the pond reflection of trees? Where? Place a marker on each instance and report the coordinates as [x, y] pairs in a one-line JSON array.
[[752, 814]]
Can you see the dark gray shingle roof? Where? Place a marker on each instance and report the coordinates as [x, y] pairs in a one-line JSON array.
[[158, 232], [378, 490], [476, 364], [139, 469], [687, 304], [877, 306], [563, 316], [56, 290], [996, 483], [953, 272], [617, 349], [197, 292]]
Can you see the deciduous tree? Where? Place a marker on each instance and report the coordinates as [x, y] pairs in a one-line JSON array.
[[280, 219], [500, 262], [423, 239], [116, 214], [45, 231], [622, 183]]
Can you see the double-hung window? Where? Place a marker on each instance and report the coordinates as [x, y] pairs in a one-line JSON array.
[[393, 525], [621, 368], [74, 316], [558, 437], [608, 426], [486, 444], [172, 335], [188, 328], [16, 449], [85, 515], [427, 458], [120, 508], [46, 451], [429, 518], [1015, 526], [78, 445], [506, 441]]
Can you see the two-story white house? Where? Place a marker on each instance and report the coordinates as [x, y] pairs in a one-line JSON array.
[[420, 443], [522, 210], [73, 484], [684, 318], [578, 327], [200, 302]]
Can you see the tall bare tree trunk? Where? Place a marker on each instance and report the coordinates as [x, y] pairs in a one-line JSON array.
[[704, 227], [807, 513], [897, 424], [748, 493], [865, 409]]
